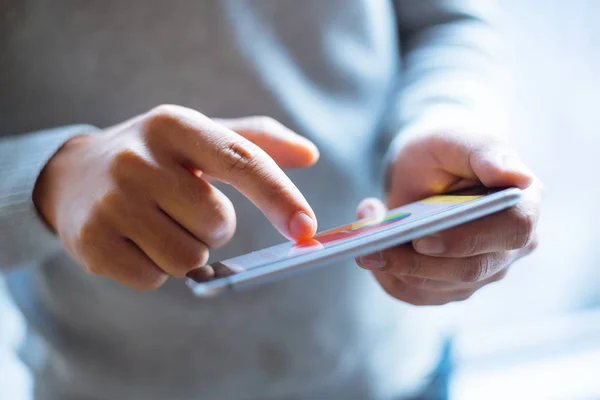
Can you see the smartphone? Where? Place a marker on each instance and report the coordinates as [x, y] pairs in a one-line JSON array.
[[399, 226]]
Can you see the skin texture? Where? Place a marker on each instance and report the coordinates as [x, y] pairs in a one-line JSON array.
[[454, 264], [134, 202]]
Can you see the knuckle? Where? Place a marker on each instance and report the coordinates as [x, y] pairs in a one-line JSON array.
[[90, 239], [109, 206], [414, 264], [94, 243], [88, 231], [525, 224], [125, 164], [164, 113], [239, 156], [468, 245], [159, 120], [222, 226], [473, 272]]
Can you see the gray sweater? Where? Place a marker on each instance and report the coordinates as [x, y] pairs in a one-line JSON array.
[[348, 74]]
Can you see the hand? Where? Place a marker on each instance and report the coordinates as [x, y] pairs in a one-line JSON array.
[[133, 203], [454, 264]]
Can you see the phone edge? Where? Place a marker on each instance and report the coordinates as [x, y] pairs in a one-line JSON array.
[[448, 219]]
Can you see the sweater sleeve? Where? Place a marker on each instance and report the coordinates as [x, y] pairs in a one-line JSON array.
[[24, 236], [453, 61]]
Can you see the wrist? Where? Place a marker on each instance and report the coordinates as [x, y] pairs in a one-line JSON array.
[[50, 180]]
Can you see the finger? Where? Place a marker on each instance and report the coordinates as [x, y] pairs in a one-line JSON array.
[[507, 230], [404, 261], [371, 208], [285, 147], [227, 156], [498, 166], [416, 296], [199, 207], [166, 243], [432, 284], [491, 161], [114, 257], [203, 210]]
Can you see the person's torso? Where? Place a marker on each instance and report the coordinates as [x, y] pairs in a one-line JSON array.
[[326, 69]]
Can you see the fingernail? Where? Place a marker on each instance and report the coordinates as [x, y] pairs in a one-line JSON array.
[[429, 245], [514, 164], [372, 261], [302, 226]]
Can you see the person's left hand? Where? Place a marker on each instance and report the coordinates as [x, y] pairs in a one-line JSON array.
[[454, 264]]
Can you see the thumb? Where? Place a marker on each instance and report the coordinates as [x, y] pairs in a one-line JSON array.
[[490, 160], [497, 166], [287, 148], [371, 208]]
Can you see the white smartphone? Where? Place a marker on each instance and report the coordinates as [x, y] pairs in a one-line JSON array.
[[399, 226]]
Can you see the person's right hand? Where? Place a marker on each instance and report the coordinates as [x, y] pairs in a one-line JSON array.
[[132, 202]]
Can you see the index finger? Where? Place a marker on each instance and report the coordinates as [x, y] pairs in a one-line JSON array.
[[229, 157]]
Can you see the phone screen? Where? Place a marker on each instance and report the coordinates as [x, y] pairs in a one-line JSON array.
[[341, 235]]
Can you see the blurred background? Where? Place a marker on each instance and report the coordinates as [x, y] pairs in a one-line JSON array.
[[537, 334]]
